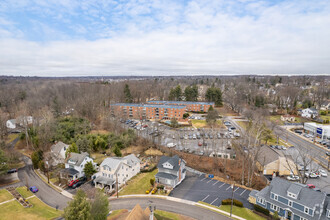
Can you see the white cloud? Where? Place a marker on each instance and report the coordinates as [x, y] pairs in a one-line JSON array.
[[210, 37]]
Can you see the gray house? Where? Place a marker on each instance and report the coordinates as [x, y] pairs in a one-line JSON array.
[[293, 201], [171, 171]]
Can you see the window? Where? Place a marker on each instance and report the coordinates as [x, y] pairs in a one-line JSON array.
[[328, 213], [306, 210], [276, 197], [261, 200], [301, 218], [290, 203], [274, 207]]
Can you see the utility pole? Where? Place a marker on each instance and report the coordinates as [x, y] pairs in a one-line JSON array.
[[117, 184], [232, 199], [47, 171]]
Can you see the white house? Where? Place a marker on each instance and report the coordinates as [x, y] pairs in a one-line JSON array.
[[325, 106], [309, 113], [75, 164], [11, 124], [171, 171], [58, 152], [114, 169]]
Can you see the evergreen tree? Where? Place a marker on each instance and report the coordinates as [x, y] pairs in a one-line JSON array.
[[100, 206], [214, 94], [79, 208], [175, 94], [89, 169], [83, 144], [116, 151], [128, 96]]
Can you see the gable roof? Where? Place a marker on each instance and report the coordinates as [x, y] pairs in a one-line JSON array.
[[114, 162], [131, 159], [56, 148], [138, 214], [174, 161], [76, 158], [267, 155]]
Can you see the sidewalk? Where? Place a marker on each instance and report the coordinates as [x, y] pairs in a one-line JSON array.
[[183, 201]]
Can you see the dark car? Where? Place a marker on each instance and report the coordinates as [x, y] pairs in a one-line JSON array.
[[12, 170], [78, 184], [34, 189]]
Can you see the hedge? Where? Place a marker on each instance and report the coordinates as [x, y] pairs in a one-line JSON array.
[[258, 208], [235, 202]]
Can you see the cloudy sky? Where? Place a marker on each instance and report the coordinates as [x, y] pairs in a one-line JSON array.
[[164, 37]]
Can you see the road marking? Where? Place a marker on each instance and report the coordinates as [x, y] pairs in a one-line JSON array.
[[243, 192], [215, 183], [203, 179], [236, 189], [209, 181], [228, 187], [205, 198], [222, 185], [214, 201]]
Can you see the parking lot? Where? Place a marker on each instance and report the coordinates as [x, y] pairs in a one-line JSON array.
[[201, 141], [199, 188]]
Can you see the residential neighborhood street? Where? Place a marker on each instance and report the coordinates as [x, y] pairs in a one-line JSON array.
[[46, 193], [192, 211]]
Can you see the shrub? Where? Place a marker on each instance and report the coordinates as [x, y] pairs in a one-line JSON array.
[[160, 187], [261, 209], [323, 113], [235, 202], [147, 192], [152, 181]]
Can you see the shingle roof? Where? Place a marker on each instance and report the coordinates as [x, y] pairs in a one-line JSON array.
[[267, 155], [166, 175], [76, 158], [56, 148], [104, 180], [174, 161], [149, 105], [181, 102], [114, 162], [131, 159]]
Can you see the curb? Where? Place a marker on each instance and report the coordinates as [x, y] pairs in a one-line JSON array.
[[180, 201]]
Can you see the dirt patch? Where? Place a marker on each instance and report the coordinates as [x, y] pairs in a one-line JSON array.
[[153, 151], [132, 150], [99, 132]]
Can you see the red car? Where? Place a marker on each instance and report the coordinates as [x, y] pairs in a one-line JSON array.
[[144, 126], [311, 186], [200, 144], [72, 182]]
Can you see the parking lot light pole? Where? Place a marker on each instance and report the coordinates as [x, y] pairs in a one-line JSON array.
[[232, 199]]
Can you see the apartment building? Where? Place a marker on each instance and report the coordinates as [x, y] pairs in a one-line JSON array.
[[190, 106], [147, 111]]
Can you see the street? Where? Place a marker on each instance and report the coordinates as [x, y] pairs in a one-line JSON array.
[[192, 211]]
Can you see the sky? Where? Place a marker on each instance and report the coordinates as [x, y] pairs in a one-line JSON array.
[[145, 37]]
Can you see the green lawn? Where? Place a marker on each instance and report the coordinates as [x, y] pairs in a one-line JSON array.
[[5, 195], [14, 210], [138, 184], [162, 215], [25, 193], [198, 123], [114, 214], [242, 212], [276, 119], [325, 117]]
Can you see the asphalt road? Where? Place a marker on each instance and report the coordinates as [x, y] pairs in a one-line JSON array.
[[315, 151], [47, 194], [167, 205]]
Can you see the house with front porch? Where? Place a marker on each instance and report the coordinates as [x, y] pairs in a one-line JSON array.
[[116, 169], [293, 201], [171, 171], [75, 164]]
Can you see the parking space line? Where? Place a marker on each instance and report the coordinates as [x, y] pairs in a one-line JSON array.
[[203, 179], [209, 181], [222, 185], [236, 189], [242, 192], [215, 182], [213, 201], [228, 187], [205, 198]]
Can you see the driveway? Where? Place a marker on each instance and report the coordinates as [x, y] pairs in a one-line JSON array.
[[198, 188], [47, 194], [192, 211]]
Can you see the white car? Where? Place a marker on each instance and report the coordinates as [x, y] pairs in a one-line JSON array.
[[323, 173], [293, 178]]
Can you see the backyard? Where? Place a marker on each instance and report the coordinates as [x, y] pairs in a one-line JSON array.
[[5, 195], [139, 184]]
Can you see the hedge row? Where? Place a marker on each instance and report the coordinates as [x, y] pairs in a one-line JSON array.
[[261, 209], [235, 202]]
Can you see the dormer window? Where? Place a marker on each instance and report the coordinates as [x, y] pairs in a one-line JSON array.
[[306, 210], [292, 195], [275, 197]]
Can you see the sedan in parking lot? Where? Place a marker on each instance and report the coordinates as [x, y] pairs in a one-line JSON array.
[[293, 178], [323, 173]]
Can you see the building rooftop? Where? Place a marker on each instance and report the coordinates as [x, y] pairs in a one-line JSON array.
[[149, 105], [181, 102]]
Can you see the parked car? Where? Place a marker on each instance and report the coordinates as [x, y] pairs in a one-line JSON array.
[[82, 181], [293, 178], [201, 153], [34, 189], [323, 173], [311, 186], [72, 182], [200, 143], [312, 175], [14, 170]]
